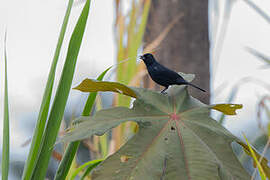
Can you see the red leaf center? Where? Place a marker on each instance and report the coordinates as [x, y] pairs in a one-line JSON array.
[[174, 116]]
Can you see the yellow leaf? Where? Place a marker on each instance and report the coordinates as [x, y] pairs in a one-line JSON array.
[[89, 85], [228, 109]]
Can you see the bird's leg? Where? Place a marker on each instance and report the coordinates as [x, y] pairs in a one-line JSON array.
[[163, 91]]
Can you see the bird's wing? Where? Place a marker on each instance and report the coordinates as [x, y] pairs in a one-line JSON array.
[[167, 72], [163, 75]]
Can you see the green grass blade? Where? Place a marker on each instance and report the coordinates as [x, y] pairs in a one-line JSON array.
[[5, 148], [72, 148], [66, 162], [90, 164], [140, 33], [61, 96], [44, 108], [104, 145], [90, 167], [258, 164]]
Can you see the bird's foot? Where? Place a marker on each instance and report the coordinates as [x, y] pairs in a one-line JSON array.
[[163, 91]]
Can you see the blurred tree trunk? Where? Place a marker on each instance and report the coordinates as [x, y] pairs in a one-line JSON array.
[[186, 46]]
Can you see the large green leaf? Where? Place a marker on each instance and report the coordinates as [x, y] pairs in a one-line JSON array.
[[177, 139]]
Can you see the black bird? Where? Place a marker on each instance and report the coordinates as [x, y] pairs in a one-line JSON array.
[[162, 75]]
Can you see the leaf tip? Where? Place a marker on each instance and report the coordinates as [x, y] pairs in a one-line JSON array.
[[76, 88], [228, 109]]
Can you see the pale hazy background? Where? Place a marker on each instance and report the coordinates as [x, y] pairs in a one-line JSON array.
[[33, 28]]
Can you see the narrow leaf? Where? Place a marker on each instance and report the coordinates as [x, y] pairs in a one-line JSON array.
[[66, 161], [254, 156], [90, 168], [144, 18], [45, 104], [89, 164], [5, 147], [264, 161], [61, 96]]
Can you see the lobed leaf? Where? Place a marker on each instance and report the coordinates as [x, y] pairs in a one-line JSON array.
[[176, 139]]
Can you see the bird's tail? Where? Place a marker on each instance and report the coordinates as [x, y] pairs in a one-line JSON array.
[[196, 87]]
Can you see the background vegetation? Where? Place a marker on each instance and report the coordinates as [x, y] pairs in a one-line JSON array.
[[130, 27]]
